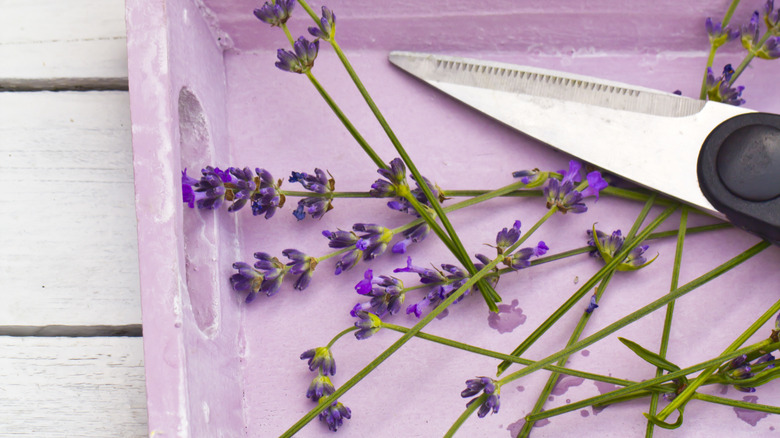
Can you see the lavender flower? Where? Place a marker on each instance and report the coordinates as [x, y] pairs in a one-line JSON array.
[[419, 232], [443, 283], [340, 238], [334, 415], [718, 34], [741, 373], [320, 386], [750, 34], [247, 279], [415, 234], [507, 237], [606, 246], [770, 49], [741, 368], [208, 192], [326, 28], [300, 61], [235, 185], [563, 193], [320, 358], [737, 362], [368, 325], [592, 305], [275, 14], [521, 258], [242, 186], [302, 265], [345, 239], [268, 197], [404, 205], [315, 206], [531, 178], [370, 244], [387, 295], [720, 90], [395, 180], [435, 190], [427, 276], [273, 272], [771, 16], [764, 359], [376, 237], [490, 388]]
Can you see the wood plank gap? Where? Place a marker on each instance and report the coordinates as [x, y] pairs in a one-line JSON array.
[[72, 331], [64, 84]]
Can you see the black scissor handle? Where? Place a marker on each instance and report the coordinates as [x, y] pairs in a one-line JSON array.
[[739, 172]]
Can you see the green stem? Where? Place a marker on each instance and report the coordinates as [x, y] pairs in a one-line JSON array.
[[347, 124], [503, 356], [683, 397], [627, 247], [309, 11], [575, 336], [729, 12], [304, 194], [473, 406], [713, 49], [553, 379], [749, 57], [669, 312], [456, 246], [404, 338], [340, 334], [737, 403], [457, 206], [288, 34], [653, 236], [641, 218], [710, 60], [644, 311], [488, 293], [471, 193], [607, 398]]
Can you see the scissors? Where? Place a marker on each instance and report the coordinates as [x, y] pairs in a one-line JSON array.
[[719, 158]]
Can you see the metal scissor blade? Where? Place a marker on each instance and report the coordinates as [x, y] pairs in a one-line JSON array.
[[646, 136], [545, 83]]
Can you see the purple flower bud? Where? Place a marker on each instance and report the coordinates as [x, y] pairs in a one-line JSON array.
[[334, 415], [507, 237], [247, 279], [275, 14], [491, 389], [592, 306], [302, 59], [322, 359], [320, 386], [368, 324], [327, 25], [364, 286]]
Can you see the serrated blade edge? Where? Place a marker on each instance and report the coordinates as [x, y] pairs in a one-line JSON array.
[[545, 83]]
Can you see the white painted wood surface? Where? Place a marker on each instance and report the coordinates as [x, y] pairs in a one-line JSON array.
[[68, 209], [67, 224], [61, 42], [72, 387]]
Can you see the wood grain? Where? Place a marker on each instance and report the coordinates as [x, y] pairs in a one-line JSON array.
[[50, 44], [72, 387], [68, 215]]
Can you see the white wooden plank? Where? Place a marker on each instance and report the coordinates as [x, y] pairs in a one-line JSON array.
[[68, 216], [72, 387], [62, 42]]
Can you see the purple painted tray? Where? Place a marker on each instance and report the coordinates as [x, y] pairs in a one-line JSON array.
[[204, 90]]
